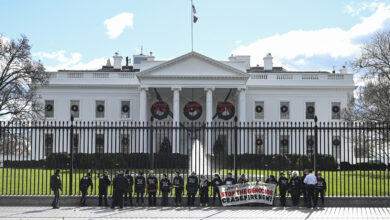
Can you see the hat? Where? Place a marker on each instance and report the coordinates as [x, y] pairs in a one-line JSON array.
[[178, 173], [127, 172], [243, 175]]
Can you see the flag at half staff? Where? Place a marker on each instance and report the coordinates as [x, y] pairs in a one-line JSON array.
[[195, 19], [193, 9]]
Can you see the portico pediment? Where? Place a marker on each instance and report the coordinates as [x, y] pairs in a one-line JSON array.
[[192, 66]]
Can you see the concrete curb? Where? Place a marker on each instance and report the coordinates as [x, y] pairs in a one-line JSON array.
[[93, 201]]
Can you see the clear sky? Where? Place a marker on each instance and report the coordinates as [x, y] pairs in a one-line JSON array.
[[300, 34]]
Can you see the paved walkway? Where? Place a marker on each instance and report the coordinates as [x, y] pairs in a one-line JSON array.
[[193, 213]]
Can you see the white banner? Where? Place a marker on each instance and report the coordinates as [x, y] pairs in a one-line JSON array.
[[250, 192]]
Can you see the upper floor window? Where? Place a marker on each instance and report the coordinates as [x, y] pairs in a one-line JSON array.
[[336, 109], [284, 110], [310, 110], [75, 108], [49, 108], [125, 109], [259, 110], [100, 109]]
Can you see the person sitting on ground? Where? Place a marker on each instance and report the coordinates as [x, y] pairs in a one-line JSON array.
[[242, 179], [295, 188], [320, 188], [139, 185], [271, 180], [215, 184], [192, 188], [229, 180], [283, 186], [151, 186], [165, 187], [204, 190]]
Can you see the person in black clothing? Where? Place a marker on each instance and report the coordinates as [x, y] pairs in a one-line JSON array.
[[320, 188], [85, 183], [242, 179], [303, 186], [192, 188], [204, 190], [283, 186], [129, 191], [178, 184], [104, 182], [229, 180], [215, 184], [120, 185], [56, 185], [139, 185], [151, 186], [295, 188], [271, 179], [165, 187]]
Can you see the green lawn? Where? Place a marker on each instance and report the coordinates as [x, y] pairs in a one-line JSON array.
[[15, 181]]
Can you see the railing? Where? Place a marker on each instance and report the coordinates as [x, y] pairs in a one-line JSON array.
[[352, 157]]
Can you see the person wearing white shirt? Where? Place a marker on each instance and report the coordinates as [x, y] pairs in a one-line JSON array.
[[310, 181]]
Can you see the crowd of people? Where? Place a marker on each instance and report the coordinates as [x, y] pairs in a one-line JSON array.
[[308, 185]]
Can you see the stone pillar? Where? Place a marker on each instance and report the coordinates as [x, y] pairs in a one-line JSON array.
[[242, 119], [143, 134], [176, 120], [209, 118]]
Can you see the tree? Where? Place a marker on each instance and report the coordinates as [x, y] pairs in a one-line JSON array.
[[19, 80], [372, 103]]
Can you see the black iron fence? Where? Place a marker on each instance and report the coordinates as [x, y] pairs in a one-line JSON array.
[[352, 157]]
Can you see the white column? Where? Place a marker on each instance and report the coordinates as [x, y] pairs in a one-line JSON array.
[[209, 118], [143, 119], [242, 119], [176, 119]]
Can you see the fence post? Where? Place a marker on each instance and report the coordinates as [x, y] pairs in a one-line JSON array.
[[315, 144], [235, 146], [151, 144], [71, 156]]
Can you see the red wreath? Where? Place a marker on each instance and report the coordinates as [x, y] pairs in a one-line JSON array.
[[310, 142], [74, 108], [259, 109], [259, 141], [160, 110], [99, 140], [49, 107], [225, 110], [336, 142], [49, 140], [192, 110], [125, 141], [100, 108], [125, 108], [310, 109], [284, 109], [284, 142], [335, 109]]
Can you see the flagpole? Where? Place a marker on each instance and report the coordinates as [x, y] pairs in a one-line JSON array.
[[192, 27]]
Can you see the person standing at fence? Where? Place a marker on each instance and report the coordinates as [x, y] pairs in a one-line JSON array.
[[151, 186], [283, 186], [295, 188], [320, 188], [178, 184], [271, 180], [85, 183], [165, 187], [140, 188], [229, 180], [192, 188], [56, 186], [104, 182], [215, 184], [310, 181], [204, 190], [120, 185], [129, 191], [242, 179]]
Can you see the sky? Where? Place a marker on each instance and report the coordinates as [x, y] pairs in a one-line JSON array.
[[300, 34]]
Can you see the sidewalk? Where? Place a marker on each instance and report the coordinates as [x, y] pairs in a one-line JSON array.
[[193, 213]]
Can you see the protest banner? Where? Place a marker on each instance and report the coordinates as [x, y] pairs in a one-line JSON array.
[[251, 192]]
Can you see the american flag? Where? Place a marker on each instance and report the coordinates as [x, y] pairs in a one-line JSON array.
[[193, 9]]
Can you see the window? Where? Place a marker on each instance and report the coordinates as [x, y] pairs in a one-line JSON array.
[[336, 147], [336, 109], [284, 144], [76, 143], [310, 144], [284, 110], [75, 108], [49, 108], [124, 143], [48, 144], [125, 109], [259, 143], [259, 110], [99, 109], [310, 110], [99, 143]]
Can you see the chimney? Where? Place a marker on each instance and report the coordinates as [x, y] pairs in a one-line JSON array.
[[108, 62], [127, 61], [268, 62], [117, 61], [344, 70]]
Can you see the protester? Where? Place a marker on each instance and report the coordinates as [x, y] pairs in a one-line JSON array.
[[320, 188], [129, 190], [151, 186], [242, 179], [192, 188], [204, 190], [271, 180], [139, 188], [120, 184], [295, 188], [229, 180], [215, 184], [85, 183], [310, 181], [283, 186], [104, 182], [304, 187], [165, 187], [178, 184], [56, 185]]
